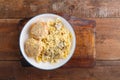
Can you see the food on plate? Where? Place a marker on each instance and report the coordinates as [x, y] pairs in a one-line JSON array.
[[38, 30], [32, 47], [48, 41]]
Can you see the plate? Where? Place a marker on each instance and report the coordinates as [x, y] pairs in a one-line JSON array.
[[24, 35]]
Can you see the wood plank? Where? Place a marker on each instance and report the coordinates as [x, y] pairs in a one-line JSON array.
[[96, 73], [22, 8], [108, 62], [9, 35], [85, 42], [85, 8], [12, 70], [107, 39]]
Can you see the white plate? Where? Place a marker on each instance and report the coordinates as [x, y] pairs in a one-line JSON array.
[[24, 36]]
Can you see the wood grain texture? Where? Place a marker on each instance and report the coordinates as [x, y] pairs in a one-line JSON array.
[[12, 70], [22, 8], [85, 41], [85, 8], [108, 38], [9, 48]]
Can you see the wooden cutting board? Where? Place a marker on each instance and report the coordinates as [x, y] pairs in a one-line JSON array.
[[84, 55]]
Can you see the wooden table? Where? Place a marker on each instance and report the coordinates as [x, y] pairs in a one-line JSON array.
[[105, 13]]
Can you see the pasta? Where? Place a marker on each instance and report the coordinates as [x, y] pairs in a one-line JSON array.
[[55, 43]]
